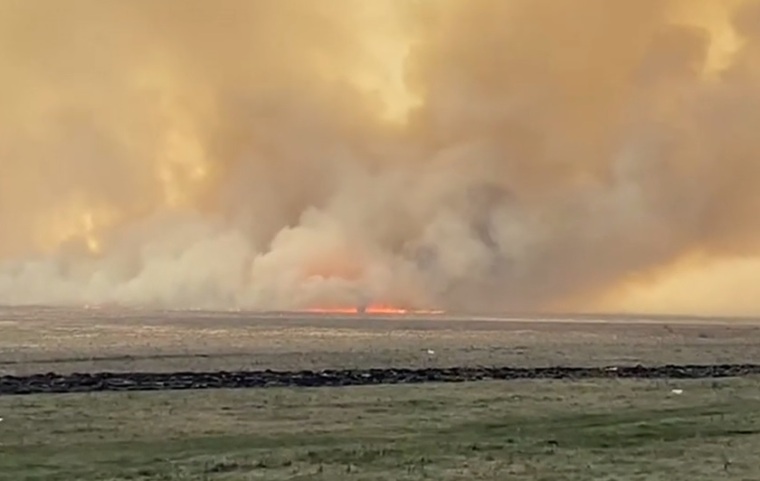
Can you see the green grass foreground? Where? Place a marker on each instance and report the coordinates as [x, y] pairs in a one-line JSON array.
[[525, 430]]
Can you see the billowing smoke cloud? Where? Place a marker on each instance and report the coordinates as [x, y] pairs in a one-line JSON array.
[[465, 155]]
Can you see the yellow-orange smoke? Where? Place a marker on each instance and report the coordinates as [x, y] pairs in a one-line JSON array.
[[716, 20], [461, 154]]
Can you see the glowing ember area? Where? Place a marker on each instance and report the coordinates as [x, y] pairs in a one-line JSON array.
[[374, 309]]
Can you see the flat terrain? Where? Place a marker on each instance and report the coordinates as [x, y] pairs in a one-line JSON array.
[[521, 430], [65, 340], [516, 430]]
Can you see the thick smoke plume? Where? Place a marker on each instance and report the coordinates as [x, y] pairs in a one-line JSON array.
[[456, 154]]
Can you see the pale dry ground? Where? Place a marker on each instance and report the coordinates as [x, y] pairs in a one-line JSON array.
[[66, 340]]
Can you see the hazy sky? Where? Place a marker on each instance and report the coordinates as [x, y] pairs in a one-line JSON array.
[[458, 154]]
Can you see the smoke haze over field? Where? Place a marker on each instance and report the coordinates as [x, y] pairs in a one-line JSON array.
[[455, 154]]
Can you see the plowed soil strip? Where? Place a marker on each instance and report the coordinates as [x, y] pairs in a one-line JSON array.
[[145, 381]]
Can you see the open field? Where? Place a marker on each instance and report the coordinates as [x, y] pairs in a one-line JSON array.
[[63, 340], [520, 430], [601, 429]]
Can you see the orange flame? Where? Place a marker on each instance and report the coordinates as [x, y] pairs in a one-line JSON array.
[[375, 309]]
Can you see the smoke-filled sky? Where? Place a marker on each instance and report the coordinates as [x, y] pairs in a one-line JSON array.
[[480, 155]]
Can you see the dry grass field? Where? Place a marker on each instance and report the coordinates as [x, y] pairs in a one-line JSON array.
[[66, 341], [521, 430]]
